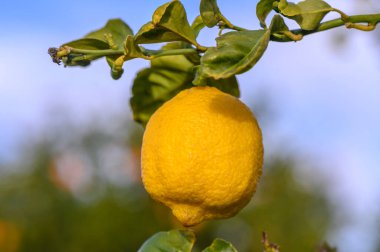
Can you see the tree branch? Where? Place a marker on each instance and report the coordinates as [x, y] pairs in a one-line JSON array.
[[351, 22]]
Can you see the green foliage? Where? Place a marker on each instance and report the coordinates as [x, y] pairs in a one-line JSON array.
[[235, 53], [210, 12], [174, 240], [111, 38], [113, 33], [263, 8], [50, 218], [308, 13], [278, 25], [197, 25], [89, 44], [219, 245], [159, 83], [86, 44], [167, 76], [169, 23], [116, 34], [181, 241]]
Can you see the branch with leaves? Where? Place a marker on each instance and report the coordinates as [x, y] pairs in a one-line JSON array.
[[184, 62]]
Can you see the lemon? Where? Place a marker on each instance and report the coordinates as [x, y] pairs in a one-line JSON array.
[[202, 155]]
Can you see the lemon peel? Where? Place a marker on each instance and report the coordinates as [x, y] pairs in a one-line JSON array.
[[202, 155]]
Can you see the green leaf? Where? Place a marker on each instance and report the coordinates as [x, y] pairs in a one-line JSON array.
[[166, 77], [197, 25], [149, 34], [113, 33], [171, 241], [229, 85], [278, 25], [236, 52], [112, 36], [279, 30], [88, 44], [308, 13], [131, 49], [172, 16], [194, 58], [288, 8], [210, 12], [153, 86], [263, 8], [219, 245], [169, 23]]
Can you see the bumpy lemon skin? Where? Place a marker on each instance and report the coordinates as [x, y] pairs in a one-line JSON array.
[[202, 155]]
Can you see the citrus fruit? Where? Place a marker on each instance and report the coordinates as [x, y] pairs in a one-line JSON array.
[[202, 155]]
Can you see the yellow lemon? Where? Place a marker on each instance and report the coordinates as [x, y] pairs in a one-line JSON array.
[[202, 155]]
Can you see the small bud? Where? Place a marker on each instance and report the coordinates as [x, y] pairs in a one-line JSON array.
[[116, 74], [53, 51]]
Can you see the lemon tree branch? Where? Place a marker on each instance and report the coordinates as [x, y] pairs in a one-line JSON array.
[[360, 22]]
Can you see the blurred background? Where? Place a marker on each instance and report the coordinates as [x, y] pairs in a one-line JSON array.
[[70, 151]]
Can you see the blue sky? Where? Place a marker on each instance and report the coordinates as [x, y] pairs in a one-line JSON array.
[[325, 98]]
